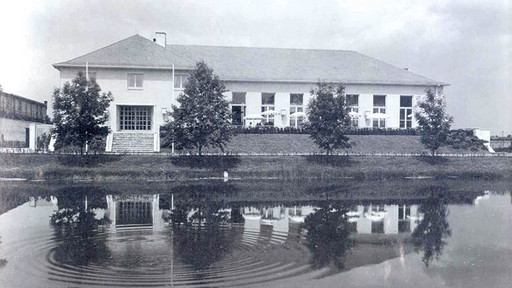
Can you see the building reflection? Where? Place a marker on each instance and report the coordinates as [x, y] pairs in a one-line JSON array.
[[363, 219], [135, 211]]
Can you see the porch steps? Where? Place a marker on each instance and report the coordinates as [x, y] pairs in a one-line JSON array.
[[132, 142]]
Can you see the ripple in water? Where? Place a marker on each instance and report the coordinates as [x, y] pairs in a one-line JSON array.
[[186, 256]]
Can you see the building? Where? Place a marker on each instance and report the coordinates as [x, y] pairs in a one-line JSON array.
[[147, 76], [16, 115]]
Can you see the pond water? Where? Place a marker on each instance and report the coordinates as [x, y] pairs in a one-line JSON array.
[[90, 236]]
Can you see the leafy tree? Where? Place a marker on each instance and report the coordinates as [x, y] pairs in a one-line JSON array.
[[203, 118], [79, 112], [433, 121], [328, 117]]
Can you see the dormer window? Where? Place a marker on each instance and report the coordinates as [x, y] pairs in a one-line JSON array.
[[135, 81]]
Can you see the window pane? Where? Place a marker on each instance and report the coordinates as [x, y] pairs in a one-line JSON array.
[[131, 80], [267, 98], [238, 98], [379, 100], [138, 80], [405, 101], [296, 99], [352, 100]]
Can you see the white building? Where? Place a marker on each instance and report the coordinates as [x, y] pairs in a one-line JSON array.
[[147, 76]]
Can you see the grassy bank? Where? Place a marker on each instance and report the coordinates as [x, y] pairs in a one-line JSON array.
[[301, 143], [114, 167]]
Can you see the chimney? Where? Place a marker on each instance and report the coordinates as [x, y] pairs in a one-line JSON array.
[[160, 38]]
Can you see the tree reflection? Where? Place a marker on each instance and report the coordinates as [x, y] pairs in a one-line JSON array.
[[328, 236], [202, 234], [76, 231], [433, 229]]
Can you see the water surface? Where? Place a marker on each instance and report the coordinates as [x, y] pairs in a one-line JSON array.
[[223, 235]]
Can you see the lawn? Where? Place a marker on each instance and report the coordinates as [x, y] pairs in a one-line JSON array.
[[301, 143]]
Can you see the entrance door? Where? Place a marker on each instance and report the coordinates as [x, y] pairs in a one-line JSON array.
[[238, 114]]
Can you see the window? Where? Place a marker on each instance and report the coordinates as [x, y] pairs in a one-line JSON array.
[[296, 105], [238, 108], [352, 102], [405, 112], [404, 225], [180, 81], [134, 81], [379, 107], [267, 104], [135, 117]]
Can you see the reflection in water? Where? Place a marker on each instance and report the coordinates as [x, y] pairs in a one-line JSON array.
[[433, 229], [75, 231], [202, 239], [328, 236]]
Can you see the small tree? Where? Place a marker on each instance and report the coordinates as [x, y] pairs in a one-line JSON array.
[[328, 117], [433, 121], [202, 118], [79, 112]]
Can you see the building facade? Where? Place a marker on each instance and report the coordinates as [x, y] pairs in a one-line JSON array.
[[264, 85], [16, 115]]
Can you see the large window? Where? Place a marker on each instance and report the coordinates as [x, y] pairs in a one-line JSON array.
[[268, 104], [135, 117], [379, 108], [296, 105], [180, 81], [405, 111], [134, 81], [353, 106]]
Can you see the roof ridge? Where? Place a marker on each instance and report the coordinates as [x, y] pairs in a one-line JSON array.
[[270, 48]]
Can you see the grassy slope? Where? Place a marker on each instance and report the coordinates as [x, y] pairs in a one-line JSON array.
[[301, 143], [249, 167]]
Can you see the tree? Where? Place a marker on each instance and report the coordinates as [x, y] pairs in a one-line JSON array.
[[80, 112], [202, 118], [328, 117], [1, 89], [433, 121]]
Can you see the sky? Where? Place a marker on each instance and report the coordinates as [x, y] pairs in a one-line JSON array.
[[466, 43]]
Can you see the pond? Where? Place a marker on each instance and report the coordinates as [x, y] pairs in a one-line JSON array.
[[263, 234]]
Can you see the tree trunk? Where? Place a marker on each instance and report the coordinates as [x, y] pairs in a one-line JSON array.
[[199, 149]]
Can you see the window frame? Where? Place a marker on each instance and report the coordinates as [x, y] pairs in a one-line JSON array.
[[354, 121], [294, 107], [268, 107], [379, 123], [182, 81], [135, 76]]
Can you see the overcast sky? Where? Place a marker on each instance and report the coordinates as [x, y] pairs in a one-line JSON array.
[[466, 43]]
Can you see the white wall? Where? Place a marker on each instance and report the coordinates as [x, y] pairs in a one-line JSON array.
[[158, 92], [13, 130]]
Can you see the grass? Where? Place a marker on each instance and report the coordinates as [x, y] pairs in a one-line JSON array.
[[134, 167], [301, 143]]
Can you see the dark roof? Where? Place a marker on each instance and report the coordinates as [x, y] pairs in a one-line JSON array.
[[252, 64]]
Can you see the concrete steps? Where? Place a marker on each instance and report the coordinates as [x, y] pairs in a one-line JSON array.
[[133, 142]]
